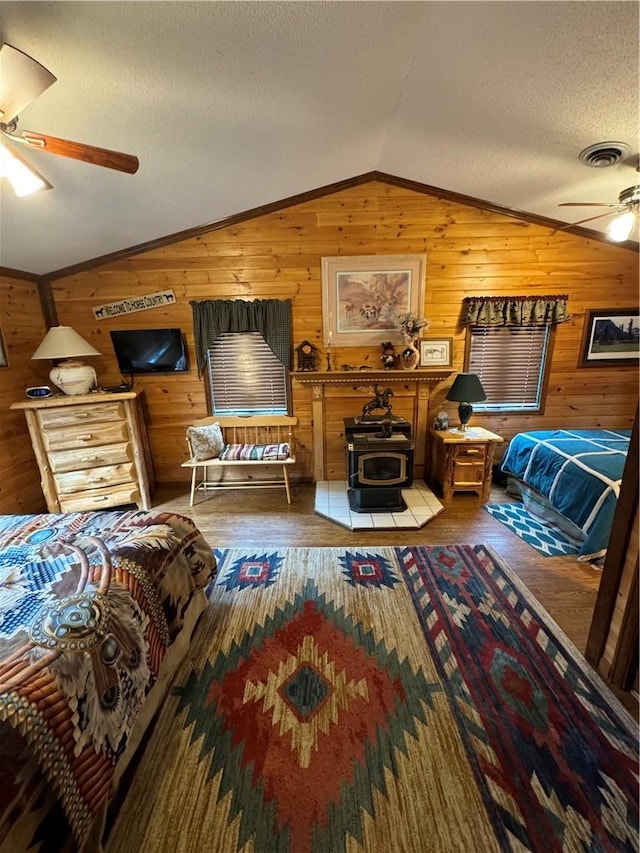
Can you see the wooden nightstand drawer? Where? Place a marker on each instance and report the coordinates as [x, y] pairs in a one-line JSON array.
[[467, 474], [469, 451]]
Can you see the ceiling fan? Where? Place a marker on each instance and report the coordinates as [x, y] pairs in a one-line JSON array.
[[22, 79], [626, 211]]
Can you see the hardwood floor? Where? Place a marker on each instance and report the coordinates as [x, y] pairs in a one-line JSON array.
[[261, 518]]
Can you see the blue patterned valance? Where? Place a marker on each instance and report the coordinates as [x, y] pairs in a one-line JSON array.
[[514, 310]]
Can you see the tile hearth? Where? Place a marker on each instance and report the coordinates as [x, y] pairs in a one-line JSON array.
[[332, 502]]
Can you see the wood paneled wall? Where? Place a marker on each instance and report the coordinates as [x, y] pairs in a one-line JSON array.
[[469, 251], [23, 329]]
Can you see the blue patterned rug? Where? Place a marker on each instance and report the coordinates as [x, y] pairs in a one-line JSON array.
[[547, 540]]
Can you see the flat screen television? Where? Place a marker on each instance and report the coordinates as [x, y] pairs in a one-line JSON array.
[[150, 351]]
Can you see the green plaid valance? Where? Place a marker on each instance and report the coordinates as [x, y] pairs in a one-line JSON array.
[[270, 317], [514, 310]]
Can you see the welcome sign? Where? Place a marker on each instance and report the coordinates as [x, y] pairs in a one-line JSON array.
[[130, 306]]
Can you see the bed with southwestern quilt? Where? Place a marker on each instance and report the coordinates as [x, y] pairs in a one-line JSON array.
[[95, 613], [386, 700], [572, 477]]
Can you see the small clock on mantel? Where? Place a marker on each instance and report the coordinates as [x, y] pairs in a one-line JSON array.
[[306, 357]]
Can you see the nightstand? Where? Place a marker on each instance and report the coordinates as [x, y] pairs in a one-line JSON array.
[[459, 461]]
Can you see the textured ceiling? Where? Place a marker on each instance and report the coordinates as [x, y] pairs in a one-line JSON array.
[[232, 105]]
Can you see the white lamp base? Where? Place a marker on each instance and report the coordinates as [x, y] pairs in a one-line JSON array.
[[73, 377]]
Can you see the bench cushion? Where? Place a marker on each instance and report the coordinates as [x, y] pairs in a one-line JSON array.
[[206, 441], [254, 452]]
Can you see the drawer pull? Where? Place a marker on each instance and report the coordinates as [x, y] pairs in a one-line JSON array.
[[86, 437]]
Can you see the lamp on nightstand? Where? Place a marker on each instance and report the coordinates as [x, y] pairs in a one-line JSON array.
[[71, 377], [466, 389]]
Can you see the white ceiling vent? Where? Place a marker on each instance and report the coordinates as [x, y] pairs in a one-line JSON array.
[[604, 154]]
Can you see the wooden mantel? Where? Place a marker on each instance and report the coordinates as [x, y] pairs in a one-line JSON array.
[[418, 383]]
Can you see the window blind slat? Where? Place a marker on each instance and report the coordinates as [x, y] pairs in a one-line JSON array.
[[510, 362], [245, 377]]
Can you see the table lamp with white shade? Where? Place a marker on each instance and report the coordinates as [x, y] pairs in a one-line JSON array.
[[71, 377]]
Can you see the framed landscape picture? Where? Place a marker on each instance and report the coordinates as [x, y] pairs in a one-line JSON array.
[[364, 296], [610, 337]]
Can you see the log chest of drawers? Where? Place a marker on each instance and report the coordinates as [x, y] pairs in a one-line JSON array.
[[92, 450]]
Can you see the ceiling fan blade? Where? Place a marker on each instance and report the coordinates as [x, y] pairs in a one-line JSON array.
[[590, 219], [589, 204], [78, 151], [22, 79]]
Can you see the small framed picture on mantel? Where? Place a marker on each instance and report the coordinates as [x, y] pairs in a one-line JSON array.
[[436, 352]]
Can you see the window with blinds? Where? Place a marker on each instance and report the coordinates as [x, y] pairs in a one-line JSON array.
[[245, 377], [511, 362]]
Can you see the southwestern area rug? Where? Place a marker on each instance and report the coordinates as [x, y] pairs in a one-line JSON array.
[[389, 700]]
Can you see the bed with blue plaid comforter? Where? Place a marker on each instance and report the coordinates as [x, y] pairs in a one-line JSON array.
[[578, 472]]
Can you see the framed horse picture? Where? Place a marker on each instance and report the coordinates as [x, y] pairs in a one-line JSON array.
[[436, 352]]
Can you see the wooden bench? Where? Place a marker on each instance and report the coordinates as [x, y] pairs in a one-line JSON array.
[[255, 432]]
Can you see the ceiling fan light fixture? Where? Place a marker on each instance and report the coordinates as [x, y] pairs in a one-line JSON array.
[[21, 175], [22, 79], [621, 226], [630, 196]]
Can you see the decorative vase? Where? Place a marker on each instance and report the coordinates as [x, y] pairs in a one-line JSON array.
[[73, 377], [410, 355]]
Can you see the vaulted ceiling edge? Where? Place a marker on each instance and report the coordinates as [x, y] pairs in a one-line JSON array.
[[309, 195]]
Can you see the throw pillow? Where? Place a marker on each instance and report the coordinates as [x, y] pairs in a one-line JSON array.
[[206, 441]]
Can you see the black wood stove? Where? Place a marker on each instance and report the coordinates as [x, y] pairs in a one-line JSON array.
[[380, 463]]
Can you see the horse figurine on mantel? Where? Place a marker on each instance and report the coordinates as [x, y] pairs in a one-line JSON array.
[[380, 401]]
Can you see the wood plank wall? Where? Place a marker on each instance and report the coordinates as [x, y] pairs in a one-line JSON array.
[[469, 251], [23, 329]]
